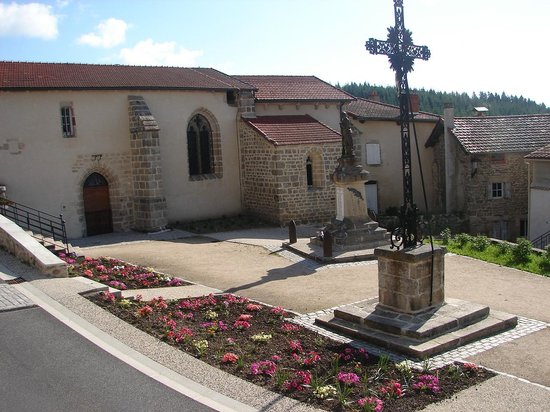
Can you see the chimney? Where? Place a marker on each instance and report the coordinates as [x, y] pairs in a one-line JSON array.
[[449, 115], [415, 103], [374, 96], [480, 111]]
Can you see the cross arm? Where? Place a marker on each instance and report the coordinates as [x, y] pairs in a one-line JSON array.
[[387, 48]]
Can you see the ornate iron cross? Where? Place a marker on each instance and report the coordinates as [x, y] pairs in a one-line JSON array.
[[402, 53]]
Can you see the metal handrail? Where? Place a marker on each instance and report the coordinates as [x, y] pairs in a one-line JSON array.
[[542, 241], [38, 222]]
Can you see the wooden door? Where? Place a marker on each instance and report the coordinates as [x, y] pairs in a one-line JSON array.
[[97, 206]]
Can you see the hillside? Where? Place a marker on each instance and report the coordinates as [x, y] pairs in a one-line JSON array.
[[433, 101]]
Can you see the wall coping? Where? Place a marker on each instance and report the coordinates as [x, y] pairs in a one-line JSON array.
[[27, 249]]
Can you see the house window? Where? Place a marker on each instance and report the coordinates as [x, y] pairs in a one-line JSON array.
[[373, 154], [68, 123], [497, 190], [309, 172], [199, 146]]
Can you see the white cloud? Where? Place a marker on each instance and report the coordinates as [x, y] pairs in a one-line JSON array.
[[28, 20], [147, 52], [109, 33]]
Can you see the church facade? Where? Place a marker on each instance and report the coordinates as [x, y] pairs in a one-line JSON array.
[[115, 148]]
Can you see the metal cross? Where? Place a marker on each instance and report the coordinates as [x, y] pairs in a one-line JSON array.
[[402, 53]]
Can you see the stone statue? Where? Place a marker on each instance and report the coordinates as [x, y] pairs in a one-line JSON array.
[[346, 129]]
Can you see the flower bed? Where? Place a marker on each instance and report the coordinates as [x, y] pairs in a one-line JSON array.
[[260, 344], [118, 274]]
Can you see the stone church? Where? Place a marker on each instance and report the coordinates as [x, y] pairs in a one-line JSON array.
[[115, 148]]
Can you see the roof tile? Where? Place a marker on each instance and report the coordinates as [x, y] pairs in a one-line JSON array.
[[542, 153], [292, 88], [25, 76], [364, 109], [293, 130], [497, 134]]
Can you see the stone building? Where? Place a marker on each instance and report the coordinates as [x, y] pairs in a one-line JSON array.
[[290, 148], [539, 196], [482, 170], [378, 144], [115, 148]]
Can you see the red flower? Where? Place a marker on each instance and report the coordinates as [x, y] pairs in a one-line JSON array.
[[230, 358]]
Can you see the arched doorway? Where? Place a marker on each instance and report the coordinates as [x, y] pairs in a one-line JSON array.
[[97, 207]]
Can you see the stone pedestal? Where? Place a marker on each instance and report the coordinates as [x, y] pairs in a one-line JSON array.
[[352, 228], [405, 280], [410, 315]]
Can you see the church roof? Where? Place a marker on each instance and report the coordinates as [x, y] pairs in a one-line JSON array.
[[543, 153], [364, 109], [293, 130], [294, 88], [55, 76], [497, 134]]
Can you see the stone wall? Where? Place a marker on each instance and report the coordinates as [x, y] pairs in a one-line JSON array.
[[150, 210], [275, 183], [116, 169], [483, 211], [27, 249]]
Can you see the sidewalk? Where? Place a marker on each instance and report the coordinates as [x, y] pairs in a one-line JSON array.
[[251, 263]]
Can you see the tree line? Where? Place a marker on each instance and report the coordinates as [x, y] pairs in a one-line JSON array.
[[433, 101]]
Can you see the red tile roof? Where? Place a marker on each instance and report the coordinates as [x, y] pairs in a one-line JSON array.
[[364, 109], [27, 76], [293, 130], [496, 134], [294, 88], [542, 153]]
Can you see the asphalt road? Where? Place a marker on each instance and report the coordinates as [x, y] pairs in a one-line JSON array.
[[46, 366]]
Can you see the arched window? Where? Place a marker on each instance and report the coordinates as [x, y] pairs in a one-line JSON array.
[[309, 172], [199, 146]]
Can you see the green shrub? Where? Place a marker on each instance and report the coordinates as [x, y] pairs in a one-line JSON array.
[[503, 248], [445, 236], [480, 243], [521, 252], [461, 239], [544, 263]]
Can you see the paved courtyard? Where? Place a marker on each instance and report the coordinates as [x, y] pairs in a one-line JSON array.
[[252, 264]]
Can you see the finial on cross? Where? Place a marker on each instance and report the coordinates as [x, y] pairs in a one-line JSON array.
[[402, 52]]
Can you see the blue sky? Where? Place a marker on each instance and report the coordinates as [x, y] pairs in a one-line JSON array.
[[476, 45]]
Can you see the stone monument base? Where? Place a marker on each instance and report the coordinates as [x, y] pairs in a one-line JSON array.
[[355, 234], [419, 335]]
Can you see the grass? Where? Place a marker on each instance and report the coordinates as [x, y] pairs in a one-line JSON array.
[[517, 256]]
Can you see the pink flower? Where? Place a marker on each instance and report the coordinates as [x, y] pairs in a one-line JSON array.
[[265, 367], [175, 282], [279, 310], [276, 358], [427, 383], [230, 358], [300, 378], [289, 327], [348, 378], [374, 403], [392, 389], [88, 273], [252, 307], [295, 346], [145, 310], [231, 341], [107, 297], [244, 317], [118, 285], [241, 325]]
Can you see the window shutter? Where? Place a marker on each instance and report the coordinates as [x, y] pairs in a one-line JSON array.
[[373, 154], [507, 190], [489, 190]]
